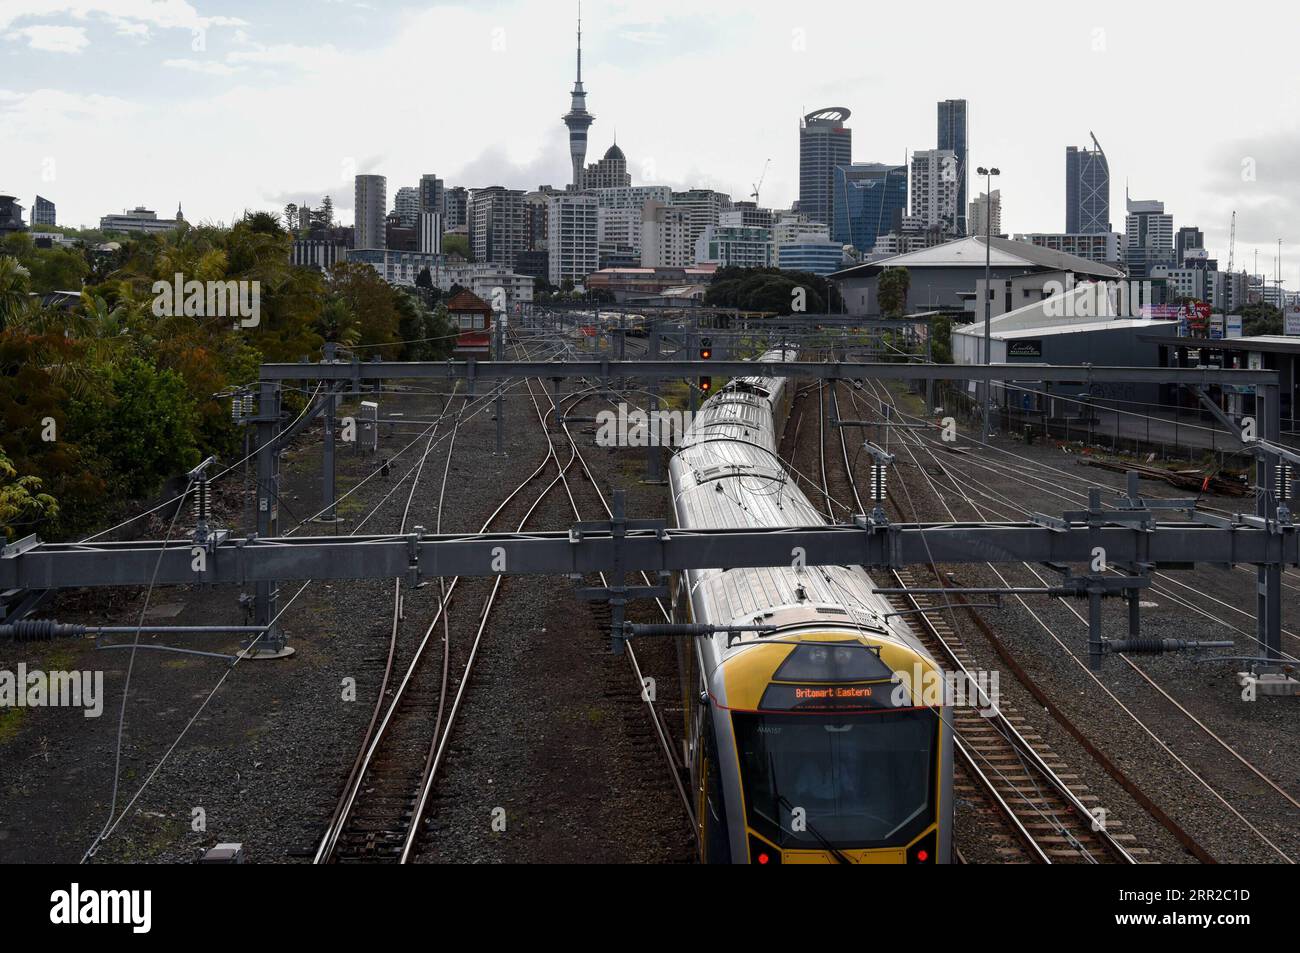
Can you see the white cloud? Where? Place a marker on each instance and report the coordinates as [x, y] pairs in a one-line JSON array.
[[53, 39], [48, 113], [699, 93], [207, 67], [317, 58], [127, 15]]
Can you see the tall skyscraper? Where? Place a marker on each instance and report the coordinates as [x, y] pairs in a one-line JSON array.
[[578, 119], [371, 206], [406, 203], [952, 136], [934, 189], [572, 245], [664, 231], [984, 216], [703, 208], [1087, 190], [1189, 238], [497, 226], [1148, 236], [825, 143], [43, 212], [455, 208], [870, 200], [431, 188], [609, 173]]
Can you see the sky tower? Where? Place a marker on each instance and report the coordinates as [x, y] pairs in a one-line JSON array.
[[578, 119]]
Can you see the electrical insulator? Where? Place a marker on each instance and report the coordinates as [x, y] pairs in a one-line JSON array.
[[199, 506], [1284, 474], [879, 482]]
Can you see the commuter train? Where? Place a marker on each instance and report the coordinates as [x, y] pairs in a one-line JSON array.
[[812, 743]]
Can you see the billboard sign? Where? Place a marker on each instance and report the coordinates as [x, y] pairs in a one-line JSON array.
[[1291, 320], [1024, 349]]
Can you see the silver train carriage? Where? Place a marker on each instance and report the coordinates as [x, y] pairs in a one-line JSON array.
[[811, 744]]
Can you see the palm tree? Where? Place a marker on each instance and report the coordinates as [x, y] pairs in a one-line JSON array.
[[15, 285]]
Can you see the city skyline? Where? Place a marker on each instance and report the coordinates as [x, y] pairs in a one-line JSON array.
[[240, 100]]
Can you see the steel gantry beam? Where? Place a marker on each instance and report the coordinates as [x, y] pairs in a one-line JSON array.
[[1128, 537], [498, 370], [647, 546]]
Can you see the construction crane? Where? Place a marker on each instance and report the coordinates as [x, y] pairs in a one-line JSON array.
[[1232, 242], [759, 184]]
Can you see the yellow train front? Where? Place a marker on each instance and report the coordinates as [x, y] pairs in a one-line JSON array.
[[816, 731]]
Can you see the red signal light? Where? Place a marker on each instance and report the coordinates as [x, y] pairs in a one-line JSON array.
[[763, 858], [923, 856], [706, 384]]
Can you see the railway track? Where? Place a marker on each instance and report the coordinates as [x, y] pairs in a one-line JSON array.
[[966, 486], [1048, 814], [378, 813], [385, 802]]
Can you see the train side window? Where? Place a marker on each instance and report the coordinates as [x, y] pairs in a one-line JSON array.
[[717, 842]]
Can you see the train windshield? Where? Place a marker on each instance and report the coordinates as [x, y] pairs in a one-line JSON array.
[[851, 780]]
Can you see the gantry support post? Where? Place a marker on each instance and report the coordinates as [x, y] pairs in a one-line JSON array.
[[653, 452], [266, 593], [499, 351], [1268, 600], [329, 471]]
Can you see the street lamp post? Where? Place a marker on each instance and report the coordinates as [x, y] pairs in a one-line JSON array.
[[988, 282]]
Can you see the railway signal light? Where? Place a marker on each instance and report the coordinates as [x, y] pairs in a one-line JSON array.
[[706, 384], [706, 349]]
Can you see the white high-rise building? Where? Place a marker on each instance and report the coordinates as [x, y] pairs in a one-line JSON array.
[[747, 215], [741, 246], [371, 206], [796, 228], [619, 228], [703, 208], [497, 225], [1148, 237], [935, 188], [430, 232], [633, 196], [573, 243], [987, 206], [664, 236], [407, 206]]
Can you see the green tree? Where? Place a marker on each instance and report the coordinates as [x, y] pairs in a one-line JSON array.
[[427, 334], [23, 507], [891, 291], [372, 300], [146, 430], [457, 245], [1258, 318], [15, 285], [941, 347], [338, 323], [324, 216]]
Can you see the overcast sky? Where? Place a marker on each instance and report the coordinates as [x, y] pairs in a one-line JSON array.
[[232, 104]]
